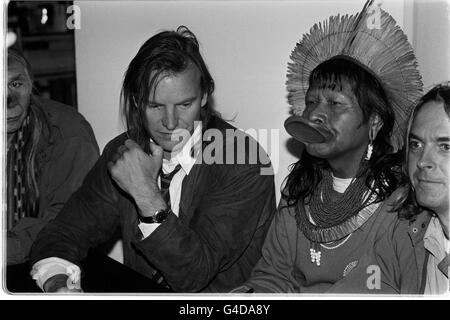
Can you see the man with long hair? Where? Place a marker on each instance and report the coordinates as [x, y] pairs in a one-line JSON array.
[[412, 257], [51, 147], [188, 223]]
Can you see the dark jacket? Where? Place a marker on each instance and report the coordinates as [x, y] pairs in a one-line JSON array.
[[64, 157], [399, 259], [224, 213]]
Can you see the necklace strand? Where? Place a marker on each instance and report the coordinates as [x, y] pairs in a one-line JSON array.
[[329, 209], [338, 245]]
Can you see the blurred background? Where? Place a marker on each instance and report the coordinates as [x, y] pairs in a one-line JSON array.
[[42, 34]]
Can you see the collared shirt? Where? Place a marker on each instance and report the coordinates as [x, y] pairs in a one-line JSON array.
[[187, 161], [46, 268], [437, 245]]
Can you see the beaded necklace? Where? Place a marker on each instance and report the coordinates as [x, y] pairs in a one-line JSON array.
[[328, 208], [335, 215]]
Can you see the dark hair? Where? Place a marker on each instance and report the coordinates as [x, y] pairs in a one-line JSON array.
[[407, 205], [384, 166], [167, 51]]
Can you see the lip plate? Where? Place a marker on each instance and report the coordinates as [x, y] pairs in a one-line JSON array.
[[303, 131]]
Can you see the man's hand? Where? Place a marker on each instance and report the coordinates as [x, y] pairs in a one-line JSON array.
[[136, 173], [58, 284]]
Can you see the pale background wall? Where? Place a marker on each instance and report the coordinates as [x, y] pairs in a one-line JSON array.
[[431, 40], [246, 45]]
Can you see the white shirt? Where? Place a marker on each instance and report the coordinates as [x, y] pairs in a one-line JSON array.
[[341, 184], [186, 161], [46, 268], [438, 246]]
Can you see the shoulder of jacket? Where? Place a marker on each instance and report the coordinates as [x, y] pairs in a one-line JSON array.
[[66, 119], [113, 144]]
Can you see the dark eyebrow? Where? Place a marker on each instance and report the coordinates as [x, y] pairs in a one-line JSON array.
[[187, 100], [413, 136], [19, 77], [440, 139]]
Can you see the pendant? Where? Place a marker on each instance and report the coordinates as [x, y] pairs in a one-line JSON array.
[[315, 256]]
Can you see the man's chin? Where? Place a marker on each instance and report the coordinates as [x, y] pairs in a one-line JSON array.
[[172, 147]]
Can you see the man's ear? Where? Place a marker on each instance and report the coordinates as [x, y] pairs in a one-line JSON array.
[[375, 125], [204, 99]]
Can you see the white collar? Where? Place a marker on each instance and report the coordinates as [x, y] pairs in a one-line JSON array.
[[434, 239], [341, 184], [184, 157]]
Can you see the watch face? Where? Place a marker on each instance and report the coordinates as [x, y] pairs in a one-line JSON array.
[[161, 215]]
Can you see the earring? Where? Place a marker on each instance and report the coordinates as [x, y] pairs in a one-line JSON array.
[[369, 151], [369, 147]]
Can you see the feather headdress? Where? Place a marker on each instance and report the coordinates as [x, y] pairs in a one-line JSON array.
[[384, 51]]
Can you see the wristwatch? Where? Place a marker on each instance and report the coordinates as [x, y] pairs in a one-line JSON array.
[[159, 217]]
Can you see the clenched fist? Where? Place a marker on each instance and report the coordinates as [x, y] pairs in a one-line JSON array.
[[136, 173]]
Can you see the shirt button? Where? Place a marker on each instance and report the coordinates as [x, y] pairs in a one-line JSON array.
[[414, 230], [423, 225]]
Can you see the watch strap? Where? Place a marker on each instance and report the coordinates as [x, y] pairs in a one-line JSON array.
[[159, 217]]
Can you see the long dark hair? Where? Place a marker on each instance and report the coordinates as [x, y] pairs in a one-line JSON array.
[[407, 205], [167, 51], [383, 168]]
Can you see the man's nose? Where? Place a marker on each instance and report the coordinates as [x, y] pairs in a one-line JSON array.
[[10, 100], [170, 120], [426, 159]]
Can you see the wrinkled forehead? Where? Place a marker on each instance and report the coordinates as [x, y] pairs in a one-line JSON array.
[[189, 69], [431, 115], [189, 75], [332, 89], [17, 67]]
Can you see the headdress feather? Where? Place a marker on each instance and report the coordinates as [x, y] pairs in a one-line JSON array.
[[384, 52]]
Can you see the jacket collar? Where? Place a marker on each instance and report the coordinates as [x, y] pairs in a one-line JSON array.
[[418, 226]]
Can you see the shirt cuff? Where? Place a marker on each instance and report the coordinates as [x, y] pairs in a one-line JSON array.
[[46, 268], [242, 289], [147, 228]]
